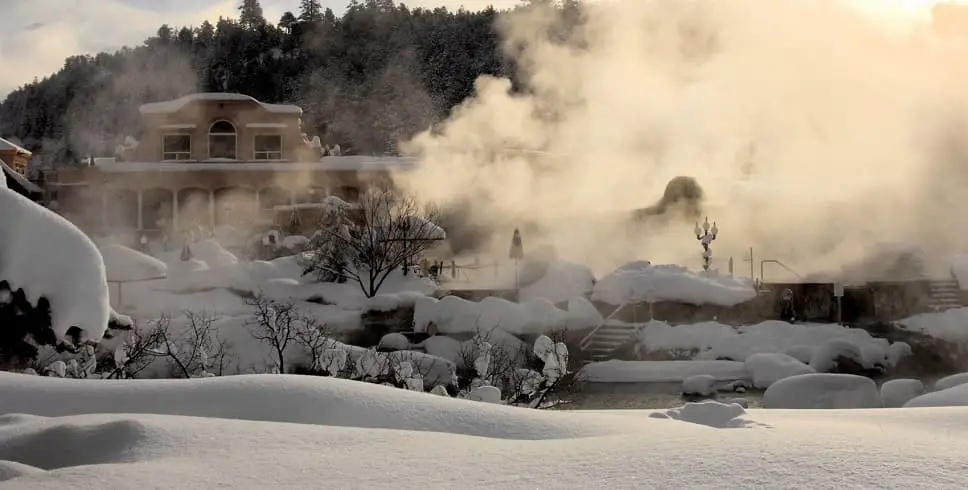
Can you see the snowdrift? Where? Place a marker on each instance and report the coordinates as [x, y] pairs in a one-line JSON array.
[[285, 398], [126, 264], [451, 315], [644, 282]]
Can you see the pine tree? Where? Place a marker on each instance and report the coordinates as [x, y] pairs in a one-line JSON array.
[[310, 11], [251, 14]]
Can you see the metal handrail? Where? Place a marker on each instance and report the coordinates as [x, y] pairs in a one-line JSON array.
[[586, 341], [781, 264]]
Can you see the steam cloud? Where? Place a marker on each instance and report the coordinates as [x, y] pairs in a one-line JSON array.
[[815, 130]]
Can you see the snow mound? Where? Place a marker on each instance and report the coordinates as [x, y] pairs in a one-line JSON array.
[[642, 281], [283, 398], [709, 413], [959, 269], [10, 469], [947, 325], [394, 341], [768, 368], [453, 315], [956, 396], [126, 264], [562, 281], [950, 381], [47, 256], [715, 340], [444, 347], [700, 384], [822, 391], [661, 371], [212, 253], [896, 392]]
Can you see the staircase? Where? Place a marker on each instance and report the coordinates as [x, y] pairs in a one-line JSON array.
[[944, 295], [604, 339]]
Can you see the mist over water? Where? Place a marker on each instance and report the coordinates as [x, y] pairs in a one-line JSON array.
[[815, 129]]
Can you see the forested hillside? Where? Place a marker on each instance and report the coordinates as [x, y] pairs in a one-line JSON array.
[[366, 80]]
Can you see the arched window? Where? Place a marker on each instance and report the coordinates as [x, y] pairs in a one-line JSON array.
[[222, 139]]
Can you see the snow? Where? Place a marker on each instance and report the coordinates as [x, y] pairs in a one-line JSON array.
[[959, 269], [896, 392], [700, 384], [126, 264], [802, 341], [189, 434], [213, 253], [644, 282], [452, 315], [47, 256], [768, 368], [661, 371], [949, 325], [171, 106], [823, 391], [394, 341], [956, 396], [562, 281], [950, 381]]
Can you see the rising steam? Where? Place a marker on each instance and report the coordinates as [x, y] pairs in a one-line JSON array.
[[815, 129]]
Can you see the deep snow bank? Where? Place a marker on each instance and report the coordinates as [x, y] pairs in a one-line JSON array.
[[47, 256], [452, 315], [642, 281], [284, 398]]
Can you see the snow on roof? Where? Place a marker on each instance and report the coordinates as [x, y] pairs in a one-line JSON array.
[[350, 163], [47, 256], [170, 106], [7, 145]]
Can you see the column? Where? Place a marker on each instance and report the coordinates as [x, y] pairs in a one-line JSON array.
[[174, 211], [141, 209], [104, 208], [258, 207], [211, 207]]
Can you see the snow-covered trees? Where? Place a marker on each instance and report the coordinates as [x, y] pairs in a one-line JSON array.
[[386, 230]]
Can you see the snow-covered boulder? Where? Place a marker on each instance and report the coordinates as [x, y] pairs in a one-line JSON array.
[[709, 413], [485, 393], [831, 353], [47, 256], [212, 253], [126, 264], [956, 396], [768, 368], [642, 281], [896, 392], [950, 381], [443, 346], [822, 391], [700, 384], [394, 341]]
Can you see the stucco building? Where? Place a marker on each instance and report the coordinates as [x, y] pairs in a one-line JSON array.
[[212, 159]]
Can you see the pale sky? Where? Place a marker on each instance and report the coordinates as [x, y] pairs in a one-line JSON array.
[[37, 35]]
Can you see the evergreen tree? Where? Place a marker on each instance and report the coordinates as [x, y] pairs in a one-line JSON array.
[[310, 11], [251, 14]]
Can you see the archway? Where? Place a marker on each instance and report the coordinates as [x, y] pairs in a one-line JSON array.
[[122, 209], [193, 208], [156, 209]]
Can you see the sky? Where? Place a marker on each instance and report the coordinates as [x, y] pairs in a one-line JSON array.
[[37, 35]]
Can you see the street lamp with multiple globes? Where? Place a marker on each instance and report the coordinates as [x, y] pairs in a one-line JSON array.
[[706, 235]]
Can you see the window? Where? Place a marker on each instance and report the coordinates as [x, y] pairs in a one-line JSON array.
[[222, 140], [176, 147], [268, 147]]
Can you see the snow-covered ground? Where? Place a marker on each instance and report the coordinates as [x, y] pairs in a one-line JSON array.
[[269, 431]]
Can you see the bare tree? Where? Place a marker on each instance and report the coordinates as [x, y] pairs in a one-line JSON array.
[[193, 350], [275, 323], [314, 338], [388, 230]]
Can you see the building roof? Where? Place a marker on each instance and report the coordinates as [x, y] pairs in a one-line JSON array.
[[18, 182], [330, 163], [170, 106], [7, 145]]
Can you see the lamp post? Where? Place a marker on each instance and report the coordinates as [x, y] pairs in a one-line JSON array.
[[516, 254], [706, 235]]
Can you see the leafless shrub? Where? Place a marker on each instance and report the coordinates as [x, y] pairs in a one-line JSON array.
[[385, 230], [192, 351]]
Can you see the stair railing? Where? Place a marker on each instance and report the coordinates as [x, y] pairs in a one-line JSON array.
[[777, 262], [587, 340]]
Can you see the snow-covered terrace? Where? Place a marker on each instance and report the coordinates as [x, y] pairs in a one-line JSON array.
[[332, 163]]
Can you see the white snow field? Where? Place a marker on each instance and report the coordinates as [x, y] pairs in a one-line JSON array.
[[278, 431]]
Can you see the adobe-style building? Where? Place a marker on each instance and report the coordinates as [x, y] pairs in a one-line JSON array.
[[212, 159]]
